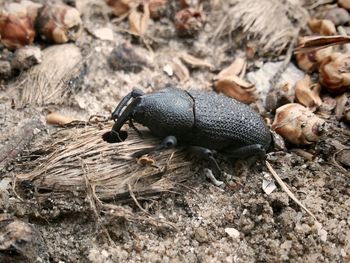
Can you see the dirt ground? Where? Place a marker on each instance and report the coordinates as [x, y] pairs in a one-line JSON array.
[[210, 223]]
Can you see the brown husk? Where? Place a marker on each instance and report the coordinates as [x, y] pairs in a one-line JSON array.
[[48, 82], [264, 22], [78, 157]]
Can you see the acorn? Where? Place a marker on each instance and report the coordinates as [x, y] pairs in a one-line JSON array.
[[17, 24], [323, 27], [297, 124], [59, 23], [308, 93], [335, 73], [188, 22]]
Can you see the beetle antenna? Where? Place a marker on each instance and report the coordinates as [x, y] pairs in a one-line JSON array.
[[125, 116], [133, 94]]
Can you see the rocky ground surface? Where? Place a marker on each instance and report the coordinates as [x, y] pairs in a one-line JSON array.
[[210, 223]]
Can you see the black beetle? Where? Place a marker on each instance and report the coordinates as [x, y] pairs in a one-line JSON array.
[[206, 121]]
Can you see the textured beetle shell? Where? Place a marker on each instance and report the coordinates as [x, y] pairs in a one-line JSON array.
[[201, 118], [224, 123], [166, 112]]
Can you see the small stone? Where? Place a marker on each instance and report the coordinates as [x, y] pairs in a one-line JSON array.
[[104, 33], [5, 69], [344, 158], [339, 16], [26, 57], [232, 232], [201, 235], [125, 57], [168, 70]]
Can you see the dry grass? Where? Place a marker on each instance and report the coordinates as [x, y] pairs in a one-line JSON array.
[[272, 24], [78, 161], [48, 82]]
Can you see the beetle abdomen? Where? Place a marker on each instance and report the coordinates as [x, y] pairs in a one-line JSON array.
[[222, 122]]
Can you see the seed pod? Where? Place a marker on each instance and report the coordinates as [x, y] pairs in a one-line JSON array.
[[17, 24], [323, 27], [297, 124], [335, 73], [120, 7], [59, 23], [308, 61], [157, 8], [344, 3], [188, 22], [308, 93]]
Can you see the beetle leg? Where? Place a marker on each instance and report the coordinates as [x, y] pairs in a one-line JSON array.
[[131, 124], [246, 151], [133, 94], [209, 156], [167, 143]]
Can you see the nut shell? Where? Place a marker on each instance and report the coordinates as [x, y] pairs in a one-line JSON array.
[[59, 23], [335, 73], [309, 61], [17, 24], [308, 93], [297, 124], [188, 22]]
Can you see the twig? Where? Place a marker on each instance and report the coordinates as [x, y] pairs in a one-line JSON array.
[[135, 200], [285, 188], [275, 78]]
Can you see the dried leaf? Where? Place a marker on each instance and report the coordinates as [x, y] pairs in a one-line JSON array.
[[236, 88], [144, 160], [319, 42], [341, 103], [180, 70], [195, 62], [56, 118], [235, 68], [138, 22], [308, 93]]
